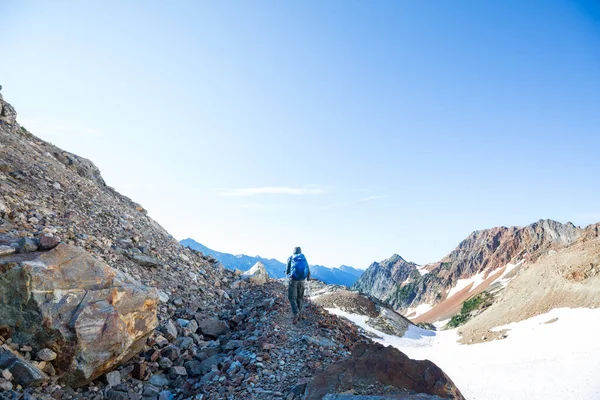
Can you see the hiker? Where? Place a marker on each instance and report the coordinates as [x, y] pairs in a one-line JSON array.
[[297, 271]]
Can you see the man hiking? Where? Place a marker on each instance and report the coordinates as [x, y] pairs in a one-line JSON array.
[[297, 271]]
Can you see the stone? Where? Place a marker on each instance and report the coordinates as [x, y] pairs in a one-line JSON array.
[[26, 245], [161, 341], [113, 378], [142, 259], [166, 395], [179, 371], [170, 329], [159, 380], [93, 316], [5, 385], [319, 341], [165, 363], [193, 326], [6, 250], [48, 242], [183, 322], [150, 391], [49, 370], [193, 368], [234, 344], [23, 373], [46, 355], [6, 374], [256, 275], [117, 395], [212, 327], [374, 364], [209, 363]]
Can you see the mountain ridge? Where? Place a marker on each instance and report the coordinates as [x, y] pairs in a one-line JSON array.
[[344, 275], [482, 256]]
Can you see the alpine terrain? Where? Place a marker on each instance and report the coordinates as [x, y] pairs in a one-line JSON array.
[[98, 301]]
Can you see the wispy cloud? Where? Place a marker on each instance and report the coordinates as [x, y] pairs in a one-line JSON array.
[[371, 198], [273, 190]]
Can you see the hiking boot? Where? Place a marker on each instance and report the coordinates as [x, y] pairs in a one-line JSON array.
[[301, 316], [296, 319]]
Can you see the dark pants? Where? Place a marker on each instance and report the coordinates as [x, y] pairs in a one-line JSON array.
[[296, 295]]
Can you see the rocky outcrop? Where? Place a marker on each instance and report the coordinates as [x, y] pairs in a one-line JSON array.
[[380, 316], [257, 275], [382, 278], [8, 115], [92, 316], [375, 366], [484, 253]]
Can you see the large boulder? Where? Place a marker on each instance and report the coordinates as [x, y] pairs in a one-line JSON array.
[[93, 316], [373, 365], [257, 275]]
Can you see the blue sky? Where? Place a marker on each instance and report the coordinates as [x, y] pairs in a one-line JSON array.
[[355, 129]]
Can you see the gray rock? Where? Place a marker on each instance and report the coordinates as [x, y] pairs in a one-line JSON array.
[[193, 368], [142, 259], [113, 378], [5, 385], [166, 395], [177, 370], [23, 373], [165, 363], [207, 365], [117, 395], [234, 344], [6, 250], [170, 329], [150, 391], [212, 327], [159, 380], [26, 245], [46, 355]]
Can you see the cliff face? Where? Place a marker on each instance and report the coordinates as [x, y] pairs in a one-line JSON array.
[[381, 279], [480, 257]]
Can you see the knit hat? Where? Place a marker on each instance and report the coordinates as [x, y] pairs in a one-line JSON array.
[[297, 250]]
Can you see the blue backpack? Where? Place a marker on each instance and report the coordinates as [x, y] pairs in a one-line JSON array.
[[299, 267]]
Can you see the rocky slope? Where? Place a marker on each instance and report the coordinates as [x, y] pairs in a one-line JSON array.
[[438, 291], [568, 277], [86, 276]]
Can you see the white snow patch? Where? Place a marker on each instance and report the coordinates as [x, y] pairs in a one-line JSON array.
[[422, 270], [414, 336], [418, 310], [537, 361], [475, 280], [441, 324]]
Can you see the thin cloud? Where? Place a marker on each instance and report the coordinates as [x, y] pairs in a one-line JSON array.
[[306, 190], [371, 198]]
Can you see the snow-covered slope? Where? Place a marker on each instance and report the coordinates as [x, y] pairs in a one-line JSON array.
[[553, 356]]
